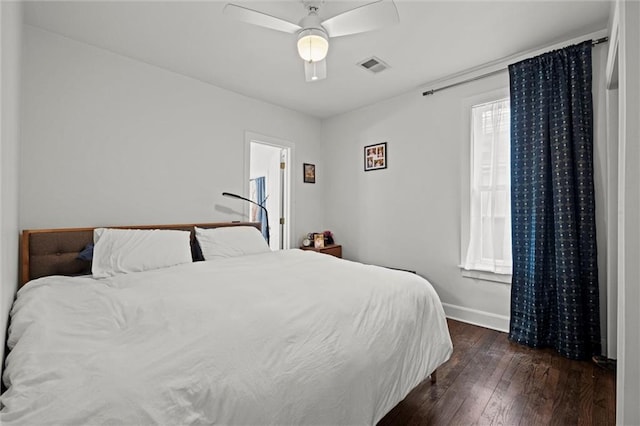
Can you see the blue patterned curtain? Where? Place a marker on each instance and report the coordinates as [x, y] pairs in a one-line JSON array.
[[554, 293], [260, 199]]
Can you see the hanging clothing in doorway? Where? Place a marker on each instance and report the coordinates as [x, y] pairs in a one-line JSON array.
[[260, 197]]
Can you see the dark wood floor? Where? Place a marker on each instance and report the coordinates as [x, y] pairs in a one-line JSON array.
[[490, 380]]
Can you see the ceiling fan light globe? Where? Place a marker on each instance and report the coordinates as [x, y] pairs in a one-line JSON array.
[[313, 45]]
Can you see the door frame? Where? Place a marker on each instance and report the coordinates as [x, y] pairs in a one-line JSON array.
[[289, 194]]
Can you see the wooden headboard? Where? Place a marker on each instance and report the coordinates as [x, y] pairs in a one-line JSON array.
[[54, 251]]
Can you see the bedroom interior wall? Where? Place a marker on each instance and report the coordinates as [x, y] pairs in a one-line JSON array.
[[408, 215], [110, 140], [10, 64]]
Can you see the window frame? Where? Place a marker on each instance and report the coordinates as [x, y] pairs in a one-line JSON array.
[[466, 182]]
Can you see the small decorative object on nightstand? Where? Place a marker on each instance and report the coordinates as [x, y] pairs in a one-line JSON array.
[[328, 237], [331, 249]]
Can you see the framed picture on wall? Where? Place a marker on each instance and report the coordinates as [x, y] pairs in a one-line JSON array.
[[309, 173], [375, 157]]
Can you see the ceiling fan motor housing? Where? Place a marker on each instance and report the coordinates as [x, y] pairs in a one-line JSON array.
[[312, 20]]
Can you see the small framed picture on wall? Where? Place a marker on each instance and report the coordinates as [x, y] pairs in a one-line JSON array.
[[309, 173], [375, 157]]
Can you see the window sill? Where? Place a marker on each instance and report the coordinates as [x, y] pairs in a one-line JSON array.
[[486, 276]]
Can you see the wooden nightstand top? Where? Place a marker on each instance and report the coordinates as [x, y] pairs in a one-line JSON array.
[[332, 249]]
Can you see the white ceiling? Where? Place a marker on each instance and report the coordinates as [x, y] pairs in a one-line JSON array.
[[434, 39]]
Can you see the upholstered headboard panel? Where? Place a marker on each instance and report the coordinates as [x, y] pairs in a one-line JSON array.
[[54, 251]]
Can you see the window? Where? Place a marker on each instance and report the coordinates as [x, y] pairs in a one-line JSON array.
[[489, 247]]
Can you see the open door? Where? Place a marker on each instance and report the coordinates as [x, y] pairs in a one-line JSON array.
[[269, 186]]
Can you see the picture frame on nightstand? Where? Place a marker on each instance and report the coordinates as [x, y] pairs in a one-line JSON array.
[[318, 240]]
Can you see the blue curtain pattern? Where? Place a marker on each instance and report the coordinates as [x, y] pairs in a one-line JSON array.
[[261, 198], [554, 292]]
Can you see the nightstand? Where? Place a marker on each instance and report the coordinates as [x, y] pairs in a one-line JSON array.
[[332, 249]]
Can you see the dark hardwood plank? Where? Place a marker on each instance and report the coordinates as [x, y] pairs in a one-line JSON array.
[[469, 337], [490, 365], [507, 402], [542, 391], [491, 380], [604, 398]]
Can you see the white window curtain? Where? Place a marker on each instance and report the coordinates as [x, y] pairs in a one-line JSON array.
[[490, 215]]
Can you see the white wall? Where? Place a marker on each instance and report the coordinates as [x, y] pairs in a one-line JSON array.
[[408, 215], [108, 140], [11, 42]]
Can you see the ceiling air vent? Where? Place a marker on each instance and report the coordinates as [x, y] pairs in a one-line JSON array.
[[373, 64]]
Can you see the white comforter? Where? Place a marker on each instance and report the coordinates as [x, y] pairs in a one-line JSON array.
[[288, 337]]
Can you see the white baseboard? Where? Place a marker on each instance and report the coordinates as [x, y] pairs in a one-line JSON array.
[[476, 317]]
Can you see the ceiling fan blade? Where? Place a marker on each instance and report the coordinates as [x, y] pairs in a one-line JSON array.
[[369, 17], [314, 71], [261, 19]]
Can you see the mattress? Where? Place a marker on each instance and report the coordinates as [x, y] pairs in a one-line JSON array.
[[287, 337]]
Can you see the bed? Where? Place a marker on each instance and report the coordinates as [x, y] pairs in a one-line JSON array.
[[285, 337]]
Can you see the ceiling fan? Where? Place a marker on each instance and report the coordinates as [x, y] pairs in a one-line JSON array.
[[313, 33]]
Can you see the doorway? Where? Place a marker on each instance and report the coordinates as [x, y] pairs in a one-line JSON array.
[[269, 186]]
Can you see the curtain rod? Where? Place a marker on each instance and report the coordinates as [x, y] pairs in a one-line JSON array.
[[489, 74]]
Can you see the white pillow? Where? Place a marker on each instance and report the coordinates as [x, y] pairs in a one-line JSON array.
[[230, 241], [121, 251]]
